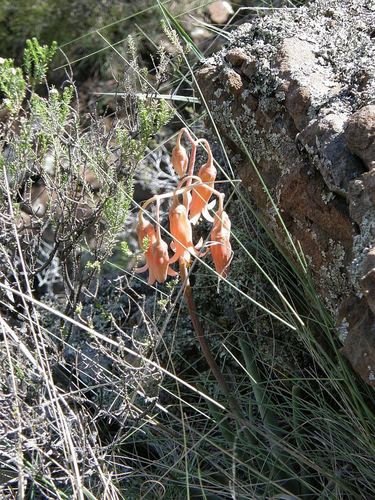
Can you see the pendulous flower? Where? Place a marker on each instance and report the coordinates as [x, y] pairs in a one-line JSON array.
[[179, 158], [159, 267], [156, 254], [182, 233], [201, 194], [145, 231], [220, 248]]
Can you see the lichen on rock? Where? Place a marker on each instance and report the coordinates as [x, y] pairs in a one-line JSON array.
[[299, 85]]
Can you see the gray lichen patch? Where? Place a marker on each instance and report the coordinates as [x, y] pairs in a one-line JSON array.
[[362, 244], [339, 32], [334, 278], [342, 330]]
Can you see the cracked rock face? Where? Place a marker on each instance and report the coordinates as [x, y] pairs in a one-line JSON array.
[[299, 86]]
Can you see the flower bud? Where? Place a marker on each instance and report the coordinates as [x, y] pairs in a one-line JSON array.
[[181, 231], [179, 159], [145, 230], [201, 194], [221, 249], [159, 260]]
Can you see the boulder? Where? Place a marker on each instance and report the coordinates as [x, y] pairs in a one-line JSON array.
[[298, 85]]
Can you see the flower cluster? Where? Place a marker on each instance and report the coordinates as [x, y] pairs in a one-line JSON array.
[[190, 201]]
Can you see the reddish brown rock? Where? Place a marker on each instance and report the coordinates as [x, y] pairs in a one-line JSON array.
[[360, 135], [305, 113], [359, 346], [235, 84], [236, 57]]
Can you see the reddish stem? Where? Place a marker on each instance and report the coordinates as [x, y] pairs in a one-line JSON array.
[[185, 131], [157, 216], [188, 294], [192, 161], [208, 148]]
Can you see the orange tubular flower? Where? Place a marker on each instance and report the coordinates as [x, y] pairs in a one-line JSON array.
[[145, 230], [181, 231], [159, 263], [156, 255], [201, 194], [179, 158], [221, 249]]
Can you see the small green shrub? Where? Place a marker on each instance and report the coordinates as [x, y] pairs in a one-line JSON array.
[[72, 186], [12, 85]]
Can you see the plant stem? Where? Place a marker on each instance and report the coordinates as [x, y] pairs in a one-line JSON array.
[[188, 294]]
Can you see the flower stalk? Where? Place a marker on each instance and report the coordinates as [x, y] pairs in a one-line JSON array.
[[206, 351]]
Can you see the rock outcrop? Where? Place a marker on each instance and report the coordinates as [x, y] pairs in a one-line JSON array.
[[299, 87]]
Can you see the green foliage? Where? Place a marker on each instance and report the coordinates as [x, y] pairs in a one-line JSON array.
[[74, 23], [84, 175], [92, 265], [36, 60], [51, 115], [116, 208], [152, 114], [125, 250], [47, 20], [12, 84], [145, 243]]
